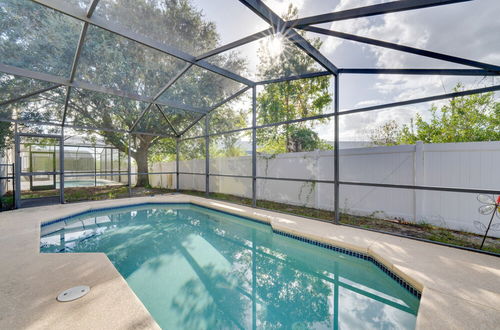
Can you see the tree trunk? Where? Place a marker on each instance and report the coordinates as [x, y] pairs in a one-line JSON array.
[[141, 158], [142, 167]]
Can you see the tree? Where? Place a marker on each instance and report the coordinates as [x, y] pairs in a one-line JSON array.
[[469, 118], [386, 134], [4, 136], [111, 61], [228, 117], [291, 99]]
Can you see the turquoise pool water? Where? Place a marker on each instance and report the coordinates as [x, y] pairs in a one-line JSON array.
[[88, 183], [197, 268]]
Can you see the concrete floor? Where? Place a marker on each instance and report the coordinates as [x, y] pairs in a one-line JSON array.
[[461, 289]]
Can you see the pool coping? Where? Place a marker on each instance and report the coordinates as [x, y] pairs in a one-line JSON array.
[[460, 289]]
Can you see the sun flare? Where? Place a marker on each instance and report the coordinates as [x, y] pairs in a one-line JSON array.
[[275, 46]]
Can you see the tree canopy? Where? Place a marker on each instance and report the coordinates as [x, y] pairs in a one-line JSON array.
[[470, 118], [40, 39], [290, 99]]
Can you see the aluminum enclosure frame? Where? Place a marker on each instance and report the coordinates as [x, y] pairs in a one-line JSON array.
[[485, 70], [277, 26]]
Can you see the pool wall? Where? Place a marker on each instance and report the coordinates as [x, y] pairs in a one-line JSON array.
[[460, 289]]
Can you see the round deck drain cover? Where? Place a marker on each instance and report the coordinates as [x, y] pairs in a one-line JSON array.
[[73, 293]]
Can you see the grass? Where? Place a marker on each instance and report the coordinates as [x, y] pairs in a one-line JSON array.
[[419, 230], [110, 192], [77, 194], [6, 202]]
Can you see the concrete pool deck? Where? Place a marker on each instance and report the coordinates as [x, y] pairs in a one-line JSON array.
[[460, 289]]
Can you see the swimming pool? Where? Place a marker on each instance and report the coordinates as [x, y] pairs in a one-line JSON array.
[[88, 183], [197, 268]]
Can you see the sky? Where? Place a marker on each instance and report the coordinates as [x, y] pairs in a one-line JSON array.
[[470, 30]]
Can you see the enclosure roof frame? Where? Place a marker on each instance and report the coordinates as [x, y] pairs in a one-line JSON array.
[[277, 26]]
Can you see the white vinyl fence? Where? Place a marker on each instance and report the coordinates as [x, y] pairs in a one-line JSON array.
[[473, 165]]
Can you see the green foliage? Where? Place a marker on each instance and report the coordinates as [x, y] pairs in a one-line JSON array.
[[463, 119], [40, 39], [6, 202], [300, 139], [229, 117], [5, 133], [192, 149], [291, 99], [387, 134], [226, 146], [305, 139], [37, 38], [163, 150]]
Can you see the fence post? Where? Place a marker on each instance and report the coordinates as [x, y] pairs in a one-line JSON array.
[[17, 172], [336, 173], [129, 166], [419, 177], [254, 146], [207, 157], [61, 167], [177, 185], [316, 167], [13, 182], [95, 166]]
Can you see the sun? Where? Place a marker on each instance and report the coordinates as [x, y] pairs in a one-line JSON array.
[[275, 46]]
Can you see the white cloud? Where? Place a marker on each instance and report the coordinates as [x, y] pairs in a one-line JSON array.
[[469, 30], [280, 7], [368, 103]]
